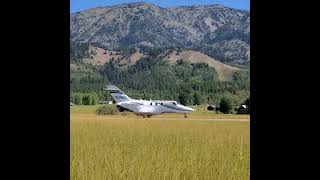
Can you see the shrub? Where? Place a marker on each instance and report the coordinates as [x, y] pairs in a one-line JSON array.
[[94, 99], [225, 105], [86, 99], [90, 99], [107, 110], [77, 98]]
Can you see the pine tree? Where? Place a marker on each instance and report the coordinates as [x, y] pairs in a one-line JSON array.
[[197, 99]]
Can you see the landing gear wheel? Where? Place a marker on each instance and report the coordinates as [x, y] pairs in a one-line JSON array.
[[148, 116], [185, 115]]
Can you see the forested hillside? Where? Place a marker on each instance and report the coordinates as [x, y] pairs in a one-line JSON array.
[[154, 77], [195, 55]]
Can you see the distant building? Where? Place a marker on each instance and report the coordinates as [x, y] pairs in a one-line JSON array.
[[243, 109], [211, 108], [105, 102]]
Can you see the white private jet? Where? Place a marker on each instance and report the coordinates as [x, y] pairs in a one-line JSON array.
[[145, 108]]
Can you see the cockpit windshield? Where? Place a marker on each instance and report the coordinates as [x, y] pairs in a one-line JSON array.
[[174, 103]]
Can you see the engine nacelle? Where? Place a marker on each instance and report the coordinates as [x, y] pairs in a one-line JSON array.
[[121, 109]]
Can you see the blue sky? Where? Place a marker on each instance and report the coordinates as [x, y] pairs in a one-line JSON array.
[[79, 5]]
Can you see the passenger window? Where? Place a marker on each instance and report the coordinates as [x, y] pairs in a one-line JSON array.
[[151, 104]]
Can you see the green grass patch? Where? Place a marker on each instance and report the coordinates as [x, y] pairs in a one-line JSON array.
[[84, 108], [201, 111]]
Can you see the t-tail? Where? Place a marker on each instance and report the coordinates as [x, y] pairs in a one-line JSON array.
[[117, 94]]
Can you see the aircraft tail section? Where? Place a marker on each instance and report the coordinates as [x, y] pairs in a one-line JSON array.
[[117, 94]]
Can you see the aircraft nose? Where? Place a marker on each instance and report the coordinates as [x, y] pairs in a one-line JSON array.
[[189, 109]]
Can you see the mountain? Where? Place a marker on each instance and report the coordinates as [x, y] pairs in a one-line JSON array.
[[219, 32], [195, 54]]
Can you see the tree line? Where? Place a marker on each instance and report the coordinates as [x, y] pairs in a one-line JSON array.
[[154, 78], [85, 98], [184, 82]]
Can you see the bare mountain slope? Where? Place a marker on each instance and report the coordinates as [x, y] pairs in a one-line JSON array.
[[220, 32], [224, 71], [99, 57]]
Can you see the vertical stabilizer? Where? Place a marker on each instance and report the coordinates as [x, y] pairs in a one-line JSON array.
[[117, 94]]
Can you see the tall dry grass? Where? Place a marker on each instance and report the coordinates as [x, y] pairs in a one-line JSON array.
[[115, 147]]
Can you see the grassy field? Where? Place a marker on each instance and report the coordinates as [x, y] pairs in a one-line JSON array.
[[161, 147], [200, 112]]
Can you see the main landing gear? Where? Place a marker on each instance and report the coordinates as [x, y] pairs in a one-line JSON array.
[[185, 115], [148, 116]]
